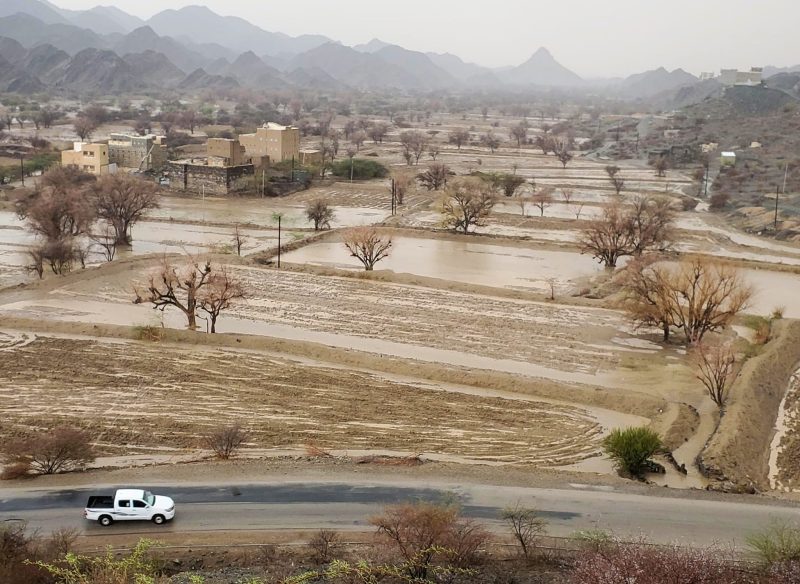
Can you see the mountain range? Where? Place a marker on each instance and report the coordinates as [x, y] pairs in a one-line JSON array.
[[106, 50]]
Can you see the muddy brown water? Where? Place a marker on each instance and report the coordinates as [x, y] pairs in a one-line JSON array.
[[463, 261]]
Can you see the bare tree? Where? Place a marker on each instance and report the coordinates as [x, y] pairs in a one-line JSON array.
[[435, 177], [218, 295], [564, 155], [122, 200], [661, 164], [715, 368], [542, 199], [84, 128], [106, 240], [526, 527], [61, 450], [459, 137], [224, 442], [179, 288], [320, 214], [579, 211], [491, 141], [467, 203], [510, 183], [36, 266], [367, 245], [697, 297], [434, 151], [615, 179], [414, 144], [239, 239], [402, 182], [378, 132], [358, 138], [57, 207], [566, 195], [519, 133], [546, 144]]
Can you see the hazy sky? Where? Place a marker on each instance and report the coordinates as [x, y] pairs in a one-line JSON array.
[[615, 37]]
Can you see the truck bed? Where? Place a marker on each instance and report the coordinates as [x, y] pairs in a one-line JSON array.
[[100, 502]]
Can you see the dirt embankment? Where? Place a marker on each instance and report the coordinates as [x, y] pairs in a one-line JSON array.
[[739, 451]]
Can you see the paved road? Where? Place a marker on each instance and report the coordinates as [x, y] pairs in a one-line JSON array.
[[346, 506]]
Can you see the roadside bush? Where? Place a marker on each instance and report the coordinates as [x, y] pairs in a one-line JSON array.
[[17, 548], [62, 450], [718, 201], [645, 564], [322, 545], [225, 442], [16, 470], [426, 534], [631, 449], [777, 544], [362, 169]]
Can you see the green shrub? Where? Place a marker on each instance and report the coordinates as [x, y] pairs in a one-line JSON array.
[[776, 544], [631, 448], [362, 169]]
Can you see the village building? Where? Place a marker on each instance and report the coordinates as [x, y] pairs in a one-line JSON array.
[[732, 77], [90, 158], [279, 143], [226, 168], [142, 153]]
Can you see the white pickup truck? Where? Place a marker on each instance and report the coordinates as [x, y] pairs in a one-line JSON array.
[[129, 505]]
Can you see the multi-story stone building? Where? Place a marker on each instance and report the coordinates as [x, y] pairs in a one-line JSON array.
[[141, 153], [278, 142], [90, 158]]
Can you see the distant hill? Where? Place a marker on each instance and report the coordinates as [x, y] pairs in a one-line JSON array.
[[541, 70], [426, 74], [650, 83], [250, 71], [372, 46], [145, 39], [456, 67], [757, 101], [101, 70], [15, 79], [199, 79], [34, 8], [45, 62], [30, 31], [314, 78], [12, 50], [155, 69], [231, 31], [789, 82]]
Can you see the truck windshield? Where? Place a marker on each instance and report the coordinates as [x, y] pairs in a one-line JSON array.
[[149, 498]]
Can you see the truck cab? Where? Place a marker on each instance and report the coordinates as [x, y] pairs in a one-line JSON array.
[[130, 505]]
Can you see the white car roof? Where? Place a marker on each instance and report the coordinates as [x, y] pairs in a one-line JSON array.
[[126, 494]]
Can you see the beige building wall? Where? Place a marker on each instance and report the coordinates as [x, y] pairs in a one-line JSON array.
[[91, 158], [278, 142], [230, 150]]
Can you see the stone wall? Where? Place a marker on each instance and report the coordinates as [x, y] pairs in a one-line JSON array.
[[213, 180]]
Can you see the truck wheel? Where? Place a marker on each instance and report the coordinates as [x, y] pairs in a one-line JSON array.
[[105, 520], [158, 519]]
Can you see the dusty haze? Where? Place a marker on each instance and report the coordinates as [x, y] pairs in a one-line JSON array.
[[594, 39]]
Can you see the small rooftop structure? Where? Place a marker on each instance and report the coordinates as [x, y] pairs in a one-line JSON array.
[[727, 159]]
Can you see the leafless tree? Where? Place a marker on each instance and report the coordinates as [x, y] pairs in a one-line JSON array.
[[320, 214], [224, 442], [239, 239], [615, 179], [435, 177], [491, 141], [367, 245], [434, 151], [661, 164], [181, 288], [358, 138], [61, 450], [84, 128], [378, 132], [414, 144], [122, 200], [542, 199], [322, 544], [519, 133], [562, 152], [221, 291], [566, 195], [546, 144], [511, 183], [579, 211], [36, 256], [459, 137], [526, 527], [467, 203], [715, 368], [402, 182], [106, 240]]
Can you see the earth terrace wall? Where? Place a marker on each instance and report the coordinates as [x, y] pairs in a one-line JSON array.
[[738, 453]]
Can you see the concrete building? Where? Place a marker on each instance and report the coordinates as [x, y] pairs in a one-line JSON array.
[[225, 152], [91, 158], [310, 157], [141, 153], [727, 159], [225, 169], [731, 77], [279, 143]]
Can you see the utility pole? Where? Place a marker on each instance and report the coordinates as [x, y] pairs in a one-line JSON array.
[[22, 168], [705, 194], [394, 197], [777, 198], [279, 240]]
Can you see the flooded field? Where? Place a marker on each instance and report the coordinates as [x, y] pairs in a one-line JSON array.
[[464, 261]]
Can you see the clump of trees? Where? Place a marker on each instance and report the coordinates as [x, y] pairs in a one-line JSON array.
[[359, 169], [435, 177], [225, 442], [414, 144], [697, 297], [614, 177], [467, 203], [70, 212], [367, 245], [628, 230], [320, 214], [191, 289], [631, 449]]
